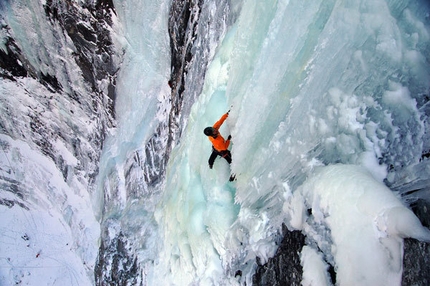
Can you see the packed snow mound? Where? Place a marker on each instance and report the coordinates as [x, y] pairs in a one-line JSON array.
[[363, 220]]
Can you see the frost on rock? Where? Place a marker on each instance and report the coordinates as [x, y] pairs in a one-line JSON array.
[[57, 90]]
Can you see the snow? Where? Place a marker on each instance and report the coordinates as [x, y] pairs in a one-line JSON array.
[[35, 259], [325, 101], [54, 230], [365, 221], [314, 267], [50, 234], [65, 153]]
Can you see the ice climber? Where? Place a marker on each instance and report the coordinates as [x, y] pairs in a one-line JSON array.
[[219, 144]]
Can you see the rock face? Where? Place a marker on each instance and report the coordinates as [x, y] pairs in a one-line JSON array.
[[88, 28], [91, 55], [58, 70], [415, 263], [284, 268], [417, 253]]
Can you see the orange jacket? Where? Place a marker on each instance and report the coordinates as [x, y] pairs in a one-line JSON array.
[[219, 143]]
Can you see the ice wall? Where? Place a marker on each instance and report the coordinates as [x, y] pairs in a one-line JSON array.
[[310, 85], [158, 85]]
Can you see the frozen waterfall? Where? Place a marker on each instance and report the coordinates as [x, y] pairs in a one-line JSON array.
[[330, 137]]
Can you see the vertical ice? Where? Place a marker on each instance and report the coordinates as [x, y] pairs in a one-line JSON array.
[[312, 85], [329, 104]]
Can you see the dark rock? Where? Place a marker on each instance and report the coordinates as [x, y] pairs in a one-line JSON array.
[[416, 261], [118, 266], [183, 19], [284, 268], [94, 47], [416, 257], [10, 64], [421, 208], [51, 82]]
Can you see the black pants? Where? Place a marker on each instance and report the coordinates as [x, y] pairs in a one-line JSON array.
[[225, 154]]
